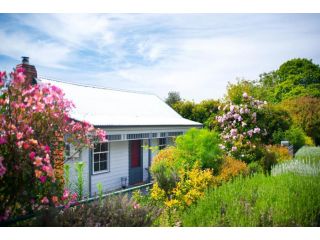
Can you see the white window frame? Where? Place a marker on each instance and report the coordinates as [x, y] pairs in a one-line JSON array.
[[108, 159]]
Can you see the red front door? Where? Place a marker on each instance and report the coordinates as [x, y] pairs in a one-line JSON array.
[[135, 162]]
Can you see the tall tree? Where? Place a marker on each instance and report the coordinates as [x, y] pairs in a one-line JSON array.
[[173, 97], [296, 77]]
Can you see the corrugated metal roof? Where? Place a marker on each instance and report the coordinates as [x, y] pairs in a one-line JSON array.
[[108, 107]]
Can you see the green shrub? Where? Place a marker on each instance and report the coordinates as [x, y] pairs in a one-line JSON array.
[[200, 145], [283, 200], [254, 168], [296, 136], [164, 169], [268, 161], [79, 166]]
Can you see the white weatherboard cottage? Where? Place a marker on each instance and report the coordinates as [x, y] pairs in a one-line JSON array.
[[131, 120]]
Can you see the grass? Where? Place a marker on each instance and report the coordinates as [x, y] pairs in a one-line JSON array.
[[283, 200]]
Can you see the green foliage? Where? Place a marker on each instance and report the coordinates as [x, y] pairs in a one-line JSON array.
[[296, 136], [202, 112], [254, 168], [305, 113], [100, 191], [164, 169], [296, 77], [173, 97], [79, 166], [200, 145], [268, 160], [276, 120], [67, 176], [283, 200], [235, 91]]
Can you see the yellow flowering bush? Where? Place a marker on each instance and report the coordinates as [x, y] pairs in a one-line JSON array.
[[232, 168], [190, 188], [282, 153], [157, 193]]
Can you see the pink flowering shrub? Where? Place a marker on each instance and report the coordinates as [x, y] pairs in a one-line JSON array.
[[241, 134], [34, 125]]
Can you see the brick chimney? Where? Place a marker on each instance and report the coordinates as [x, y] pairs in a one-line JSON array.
[[29, 70]]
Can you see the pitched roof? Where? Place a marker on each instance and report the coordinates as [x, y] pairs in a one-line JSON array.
[[109, 107]]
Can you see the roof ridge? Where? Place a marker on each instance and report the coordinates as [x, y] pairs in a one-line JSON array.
[[98, 87]]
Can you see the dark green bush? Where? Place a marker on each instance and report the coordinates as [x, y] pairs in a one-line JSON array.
[[269, 159]]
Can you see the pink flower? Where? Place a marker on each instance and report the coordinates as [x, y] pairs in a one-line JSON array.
[[256, 130], [245, 95], [136, 206], [38, 161], [19, 135], [250, 133], [2, 168], [66, 194], [222, 146], [234, 148], [47, 149], [74, 197], [19, 144], [43, 179], [3, 140], [44, 200], [32, 155], [233, 132]]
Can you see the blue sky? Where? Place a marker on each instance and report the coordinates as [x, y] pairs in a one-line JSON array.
[[195, 54]]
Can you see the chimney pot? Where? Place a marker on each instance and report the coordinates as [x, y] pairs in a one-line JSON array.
[[25, 60]]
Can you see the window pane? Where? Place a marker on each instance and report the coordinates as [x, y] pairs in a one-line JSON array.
[[103, 156], [104, 147], [96, 157], [103, 165], [96, 167], [97, 147]]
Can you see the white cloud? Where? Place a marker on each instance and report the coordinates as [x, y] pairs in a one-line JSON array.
[[77, 30], [42, 53]]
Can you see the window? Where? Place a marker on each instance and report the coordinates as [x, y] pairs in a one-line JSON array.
[[162, 143], [101, 157], [67, 149]]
